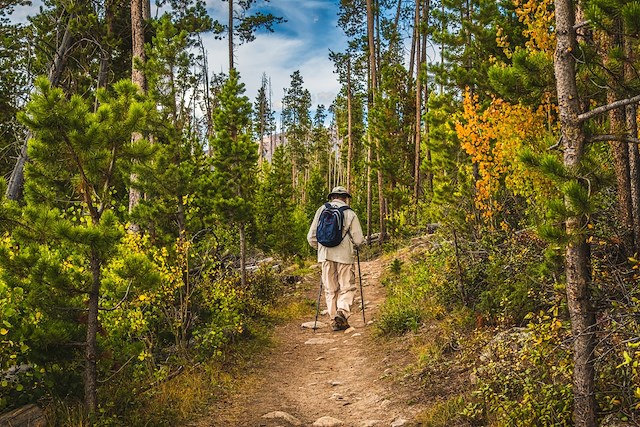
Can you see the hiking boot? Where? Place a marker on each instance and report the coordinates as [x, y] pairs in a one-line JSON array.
[[341, 322], [334, 326]]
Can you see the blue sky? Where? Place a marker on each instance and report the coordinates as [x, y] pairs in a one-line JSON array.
[[302, 43]]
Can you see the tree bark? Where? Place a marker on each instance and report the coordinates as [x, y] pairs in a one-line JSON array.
[[137, 77], [243, 256], [16, 180], [619, 149], [349, 127], [429, 174], [577, 257], [634, 174], [371, 15], [91, 349], [634, 153], [418, 136], [230, 34]]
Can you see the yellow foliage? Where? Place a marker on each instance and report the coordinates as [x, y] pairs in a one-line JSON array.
[[493, 137], [539, 18]]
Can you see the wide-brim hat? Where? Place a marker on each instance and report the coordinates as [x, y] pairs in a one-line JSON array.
[[339, 191]]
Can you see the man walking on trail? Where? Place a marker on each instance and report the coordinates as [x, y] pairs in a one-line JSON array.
[[338, 270]]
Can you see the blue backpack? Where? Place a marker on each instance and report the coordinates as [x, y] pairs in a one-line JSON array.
[[330, 225]]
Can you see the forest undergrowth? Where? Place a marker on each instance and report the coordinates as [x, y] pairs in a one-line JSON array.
[[489, 329]]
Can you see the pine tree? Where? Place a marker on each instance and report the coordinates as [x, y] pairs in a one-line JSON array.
[[69, 227], [264, 118], [234, 159], [297, 125]]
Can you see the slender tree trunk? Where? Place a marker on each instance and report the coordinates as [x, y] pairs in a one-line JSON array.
[[105, 48], [371, 16], [429, 174], [619, 149], [16, 180], [243, 256], [138, 78], [418, 136], [634, 173], [91, 349], [231, 65], [349, 128], [577, 257], [634, 154]]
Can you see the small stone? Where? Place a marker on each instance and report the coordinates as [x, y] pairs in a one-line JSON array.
[[335, 383], [357, 334], [310, 325], [283, 415], [318, 341], [349, 330], [327, 422], [399, 422], [371, 423], [319, 358]]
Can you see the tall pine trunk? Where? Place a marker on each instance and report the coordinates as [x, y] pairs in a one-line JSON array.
[[418, 127], [619, 148], [138, 78], [243, 256], [230, 23], [577, 257], [634, 153], [634, 172], [349, 128], [371, 16], [91, 344]]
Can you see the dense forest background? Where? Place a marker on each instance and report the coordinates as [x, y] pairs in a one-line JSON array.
[[140, 188]]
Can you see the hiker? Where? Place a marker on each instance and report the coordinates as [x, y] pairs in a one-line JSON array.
[[338, 257]]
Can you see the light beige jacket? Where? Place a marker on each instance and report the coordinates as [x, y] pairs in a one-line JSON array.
[[345, 252]]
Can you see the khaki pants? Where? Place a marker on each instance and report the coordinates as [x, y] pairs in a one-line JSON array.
[[339, 281]]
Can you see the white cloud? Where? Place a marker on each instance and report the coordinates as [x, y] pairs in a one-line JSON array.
[[302, 43]]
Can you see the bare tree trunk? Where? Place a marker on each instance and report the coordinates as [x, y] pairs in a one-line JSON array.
[[91, 349], [577, 257], [369, 189], [138, 78], [619, 148], [634, 154], [429, 174], [231, 34], [243, 256], [16, 180], [634, 174], [349, 128], [371, 15], [418, 128]]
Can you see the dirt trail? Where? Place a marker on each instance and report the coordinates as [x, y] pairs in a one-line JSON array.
[[324, 378]]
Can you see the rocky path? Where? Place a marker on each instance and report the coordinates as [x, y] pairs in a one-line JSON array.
[[323, 378]]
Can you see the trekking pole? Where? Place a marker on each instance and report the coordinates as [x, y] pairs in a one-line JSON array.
[[317, 308], [361, 293]]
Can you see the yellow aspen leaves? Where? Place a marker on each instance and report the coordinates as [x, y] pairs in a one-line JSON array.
[[493, 138], [539, 19]]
